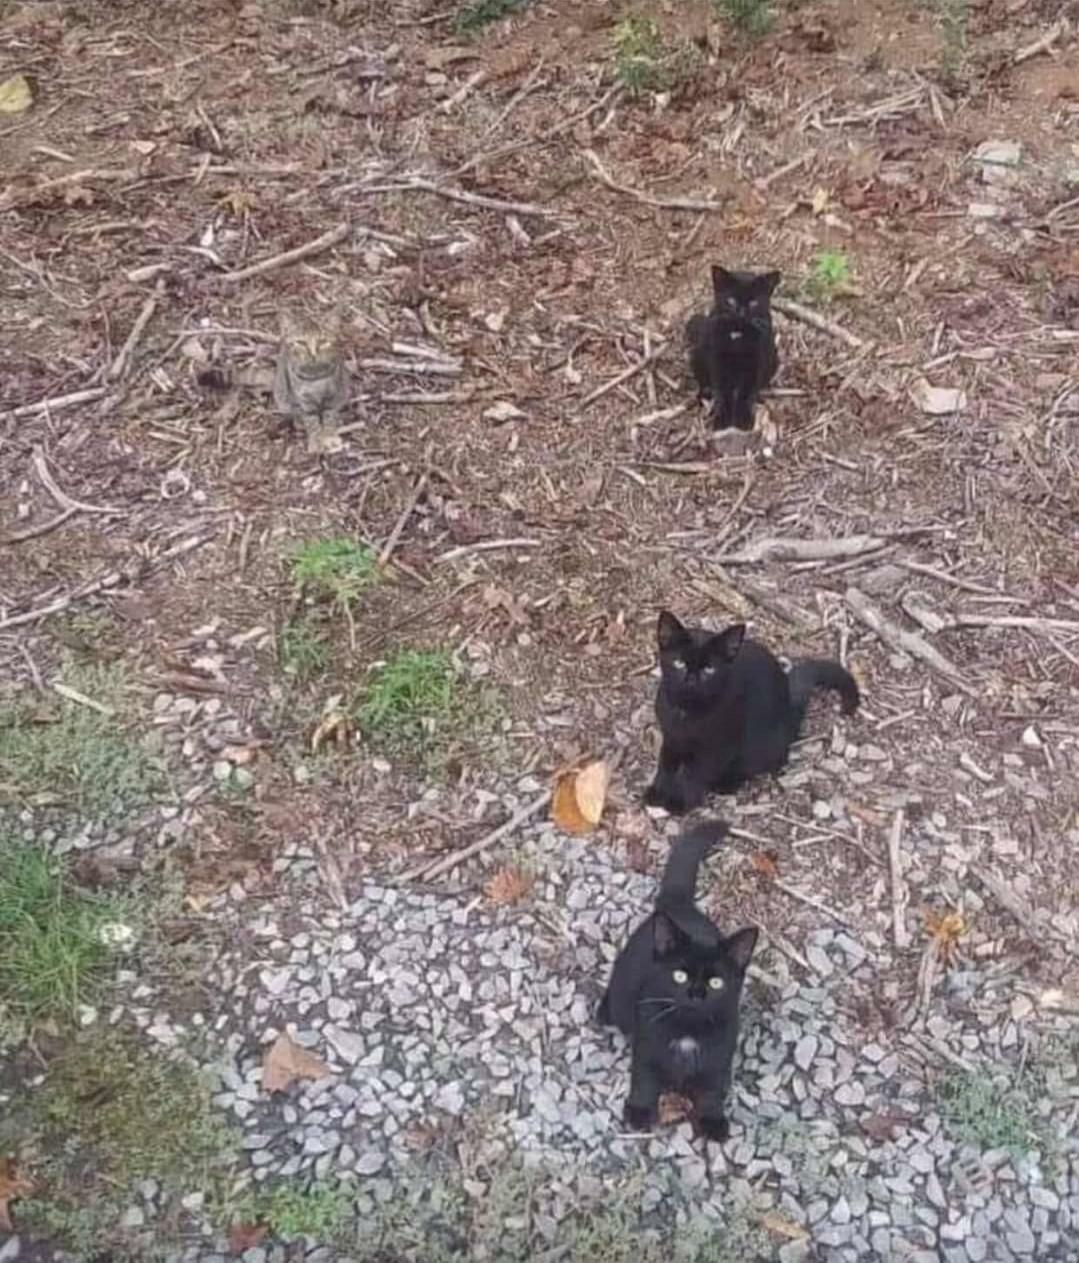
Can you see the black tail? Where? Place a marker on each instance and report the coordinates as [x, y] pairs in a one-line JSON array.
[[678, 889], [810, 673]]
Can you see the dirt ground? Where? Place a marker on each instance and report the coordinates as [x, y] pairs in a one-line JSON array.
[[169, 146]]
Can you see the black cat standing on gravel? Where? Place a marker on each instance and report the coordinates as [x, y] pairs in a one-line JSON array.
[[728, 711], [675, 990], [732, 349]]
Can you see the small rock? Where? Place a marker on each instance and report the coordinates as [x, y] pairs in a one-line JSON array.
[[805, 1050], [1003, 153]]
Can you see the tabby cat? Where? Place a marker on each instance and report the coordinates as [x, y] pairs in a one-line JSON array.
[[311, 383]]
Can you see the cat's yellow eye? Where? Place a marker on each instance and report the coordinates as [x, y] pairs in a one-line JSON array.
[[680, 976], [716, 984]]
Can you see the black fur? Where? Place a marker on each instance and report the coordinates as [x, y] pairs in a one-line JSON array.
[[727, 711], [732, 350], [674, 991]]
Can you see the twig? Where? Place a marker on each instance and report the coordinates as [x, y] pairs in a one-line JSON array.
[[128, 574], [778, 548], [1042, 44], [427, 871], [810, 317], [32, 532], [926, 1044], [55, 404], [119, 364], [30, 194], [928, 969], [417, 185], [399, 525], [905, 641], [1010, 902], [900, 893], [1008, 620], [433, 367], [661, 203], [624, 376], [473, 81], [811, 902], [762, 182], [485, 546], [62, 499], [73, 695], [328, 239], [965, 584]]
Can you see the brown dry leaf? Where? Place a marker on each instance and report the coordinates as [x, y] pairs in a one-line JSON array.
[[246, 1236], [238, 202], [775, 1223], [333, 727], [15, 95], [765, 864], [673, 1108], [286, 1061], [883, 1126], [12, 1186], [509, 886], [579, 795], [946, 930]]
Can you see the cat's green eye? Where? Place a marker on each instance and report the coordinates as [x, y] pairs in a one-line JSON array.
[[716, 984], [680, 976]]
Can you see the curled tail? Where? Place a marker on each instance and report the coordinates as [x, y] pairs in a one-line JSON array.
[[678, 889], [810, 673]]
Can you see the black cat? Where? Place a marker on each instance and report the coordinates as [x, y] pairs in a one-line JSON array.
[[732, 350], [674, 991], [727, 710]]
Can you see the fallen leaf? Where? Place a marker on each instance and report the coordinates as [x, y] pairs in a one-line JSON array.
[[765, 864], [12, 1186], [333, 727], [246, 1236], [946, 930], [780, 1227], [579, 795], [509, 886], [503, 411], [937, 401], [883, 1126], [286, 1061], [820, 200], [15, 95], [673, 1108]]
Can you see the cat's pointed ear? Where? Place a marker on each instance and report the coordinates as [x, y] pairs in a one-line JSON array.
[[721, 279], [725, 644], [664, 935], [669, 631], [770, 280], [739, 946]]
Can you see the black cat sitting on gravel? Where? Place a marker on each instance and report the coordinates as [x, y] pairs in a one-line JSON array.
[[674, 991], [728, 711]]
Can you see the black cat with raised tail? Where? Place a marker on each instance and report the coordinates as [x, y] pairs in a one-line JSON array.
[[728, 711], [732, 349], [675, 990]]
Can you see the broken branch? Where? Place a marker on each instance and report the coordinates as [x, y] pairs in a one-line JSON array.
[[813, 318], [328, 239], [908, 642], [661, 203]]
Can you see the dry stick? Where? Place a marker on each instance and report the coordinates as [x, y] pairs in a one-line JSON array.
[[21, 196], [778, 548], [120, 363], [32, 532], [73, 695], [328, 239], [624, 376], [54, 404], [433, 368], [473, 81], [399, 525], [62, 499], [810, 317], [129, 573], [661, 203], [486, 546], [1018, 620], [1011, 902], [418, 185], [965, 584], [900, 893], [1042, 44], [905, 641], [811, 902], [427, 871]]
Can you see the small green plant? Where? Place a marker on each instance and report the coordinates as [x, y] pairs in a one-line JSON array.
[[73, 754], [335, 570], [53, 937], [304, 651], [320, 1211], [830, 275], [954, 17], [754, 17], [481, 13], [994, 1111], [644, 62], [415, 702]]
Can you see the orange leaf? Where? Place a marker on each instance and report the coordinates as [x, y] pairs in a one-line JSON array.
[[765, 864], [509, 885], [673, 1108], [12, 1186], [286, 1061], [246, 1236], [945, 929], [579, 795], [781, 1227]]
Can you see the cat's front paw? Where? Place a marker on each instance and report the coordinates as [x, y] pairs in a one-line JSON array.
[[603, 1012], [639, 1117], [714, 1127], [660, 794]]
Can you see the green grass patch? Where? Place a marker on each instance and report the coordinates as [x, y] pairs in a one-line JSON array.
[[335, 570], [303, 650], [60, 752], [418, 703], [829, 276], [322, 1210], [645, 62], [954, 19], [108, 1116], [996, 1109], [53, 936], [474, 17], [752, 17]]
